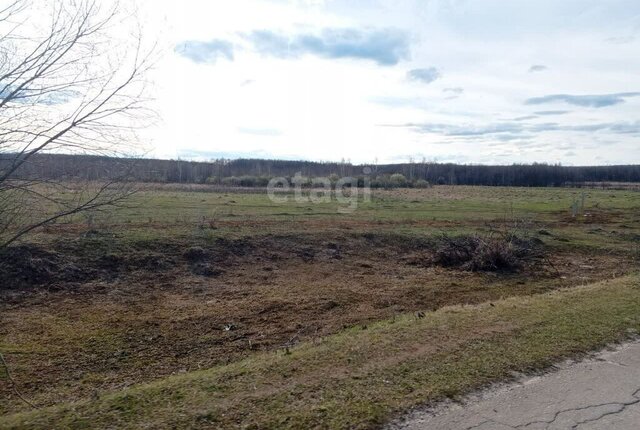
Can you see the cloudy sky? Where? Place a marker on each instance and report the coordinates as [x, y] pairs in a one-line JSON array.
[[473, 81]]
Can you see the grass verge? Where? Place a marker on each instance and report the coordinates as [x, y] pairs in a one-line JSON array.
[[362, 377]]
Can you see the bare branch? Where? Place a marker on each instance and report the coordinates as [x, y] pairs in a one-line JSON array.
[[73, 88]]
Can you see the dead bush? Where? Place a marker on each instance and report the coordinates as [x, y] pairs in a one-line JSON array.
[[194, 254], [484, 253]]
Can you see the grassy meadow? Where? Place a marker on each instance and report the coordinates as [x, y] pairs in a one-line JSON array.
[[200, 307], [182, 211]]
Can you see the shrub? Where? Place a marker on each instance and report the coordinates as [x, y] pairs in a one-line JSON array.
[[421, 183], [488, 253], [247, 181], [299, 180], [379, 182], [230, 181], [398, 180], [262, 181]]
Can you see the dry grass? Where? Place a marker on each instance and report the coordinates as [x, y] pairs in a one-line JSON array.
[[485, 253], [135, 322], [361, 378]]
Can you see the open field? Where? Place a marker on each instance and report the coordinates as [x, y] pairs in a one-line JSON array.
[[202, 308]]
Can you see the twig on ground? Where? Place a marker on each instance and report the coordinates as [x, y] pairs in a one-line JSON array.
[[13, 383]]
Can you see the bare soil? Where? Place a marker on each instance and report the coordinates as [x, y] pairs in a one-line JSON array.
[[92, 315]]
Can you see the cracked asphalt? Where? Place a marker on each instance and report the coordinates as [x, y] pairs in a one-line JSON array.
[[602, 392]]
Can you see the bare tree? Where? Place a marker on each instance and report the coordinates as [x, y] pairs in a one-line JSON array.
[[71, 81]]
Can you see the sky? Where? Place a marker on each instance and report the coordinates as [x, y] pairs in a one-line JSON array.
[[380, 81]]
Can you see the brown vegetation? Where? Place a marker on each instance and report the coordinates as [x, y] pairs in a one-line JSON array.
[[108, 314], [485, 253]]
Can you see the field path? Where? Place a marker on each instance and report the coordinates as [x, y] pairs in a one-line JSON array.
[[602, 392]]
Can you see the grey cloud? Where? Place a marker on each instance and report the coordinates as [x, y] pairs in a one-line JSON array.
[[466, 130], [516, 130], [625, 127], [552, 112], [274, 44], [524, 118], [454, 92], [620, 40], [426, 75], [508, 137], [612, 127], [384, 46], [545, 126], [537, 68], [205, 52], [597, 101]]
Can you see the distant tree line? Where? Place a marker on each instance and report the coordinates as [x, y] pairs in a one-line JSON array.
[[258, 172]]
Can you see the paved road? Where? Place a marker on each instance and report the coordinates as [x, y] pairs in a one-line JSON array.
[[600, 393]]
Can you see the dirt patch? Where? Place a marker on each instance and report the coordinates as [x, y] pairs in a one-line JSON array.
[[28, 267], [71, 264], [25, 265], [147, 310], [594, 216]]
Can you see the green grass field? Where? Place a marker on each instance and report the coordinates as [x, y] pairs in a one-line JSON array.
[[184, 209]]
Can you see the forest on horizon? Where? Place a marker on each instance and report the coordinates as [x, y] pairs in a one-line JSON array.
[[257, 172]]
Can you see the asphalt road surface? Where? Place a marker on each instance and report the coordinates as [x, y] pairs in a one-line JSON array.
[[602, 392]]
